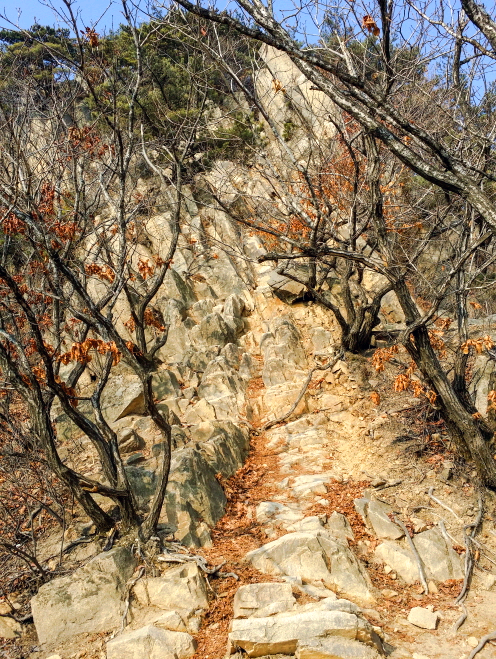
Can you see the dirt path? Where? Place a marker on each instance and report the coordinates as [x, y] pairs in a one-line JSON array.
[[338, 445]]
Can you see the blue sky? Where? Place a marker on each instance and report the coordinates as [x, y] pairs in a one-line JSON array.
[[106, 13]]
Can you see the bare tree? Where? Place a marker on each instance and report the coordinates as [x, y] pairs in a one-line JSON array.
[[446, 210], [73, 260]]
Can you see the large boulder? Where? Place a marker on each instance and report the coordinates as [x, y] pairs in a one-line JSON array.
[[261, 600], [285, 632], [290, 97], [335, 648], [151, 643], [440, 560], [123, 395], [316, 558], [180, 589], [89, 600]]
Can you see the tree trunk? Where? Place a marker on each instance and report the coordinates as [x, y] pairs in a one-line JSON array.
[[466, 432]]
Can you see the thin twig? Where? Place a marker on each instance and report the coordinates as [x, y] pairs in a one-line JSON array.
[[331, 364], [420, 565]]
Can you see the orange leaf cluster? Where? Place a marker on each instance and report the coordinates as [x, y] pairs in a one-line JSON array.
[[153, 319], [437, 343], [92, 36], [12, 225], [404, 382], [376, 399], [479, 345], [369, 24], [383, 355], [145, 269], [81, 352], [100, 271]]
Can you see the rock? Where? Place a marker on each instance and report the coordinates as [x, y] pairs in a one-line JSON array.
[[335, 648], [151, 643], [440, 559], [234, 306], [201, 309], [419, 525], [472, 641], [375, 514], [130, 441], [180, 589], [423, 618], [262, 600], [283, 353], [433, 589], [268, 509], [287, 290], [283, 633], [201, 411], [89, 600], [310, 484], [170, 620], [339, 527], [176, 287], [398, 558], [441, 562], [212, 331], [317, 558], [125, 396], [308, 524], [9, 628]]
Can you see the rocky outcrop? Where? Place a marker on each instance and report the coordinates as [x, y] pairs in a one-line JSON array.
[[151, 642], [89, 600], [440, 560], [316, 558], [289, 633]]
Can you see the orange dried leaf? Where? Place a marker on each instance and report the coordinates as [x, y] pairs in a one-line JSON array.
[[376, 399]]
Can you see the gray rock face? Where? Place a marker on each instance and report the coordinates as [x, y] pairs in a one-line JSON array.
[[376, 515], [89, 600], [221, 448], [180, 589], [130, 441], [212, 331], [335, 648], [151, 643], [125, 396], [317, 558], [284, 633], [282, 351], [262, 600], [201, 309], [441, 562], [177, 288]]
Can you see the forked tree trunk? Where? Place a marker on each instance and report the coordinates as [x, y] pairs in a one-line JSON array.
[[467, 433]]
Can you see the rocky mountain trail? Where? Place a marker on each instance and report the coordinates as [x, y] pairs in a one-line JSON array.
[[280, 541]]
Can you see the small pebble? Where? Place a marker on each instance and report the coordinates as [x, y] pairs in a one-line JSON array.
[[433, 589], [472, 641]]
